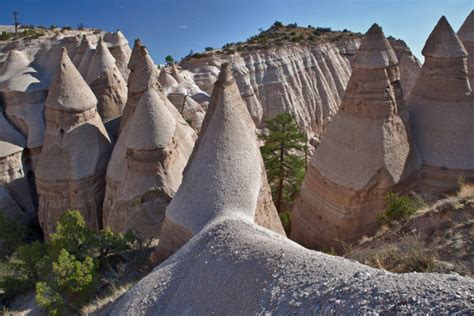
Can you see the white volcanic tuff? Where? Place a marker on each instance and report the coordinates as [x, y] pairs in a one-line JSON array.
[[366, 152], [71, 169], [81, 50], [441, 108], [155, 163], [118, 46]]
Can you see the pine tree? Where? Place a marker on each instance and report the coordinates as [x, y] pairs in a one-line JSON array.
[[284, 154]]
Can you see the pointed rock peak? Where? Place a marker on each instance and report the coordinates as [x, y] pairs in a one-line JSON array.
[[135, 56], [118, 39], [100, 62], [146, 72], [166, 79], [85, 43], [68, 91], [375, 51], [223, 177], [466, 32], [15, 62], [176, 74], [152, 126], [11, 140], [443, 42]]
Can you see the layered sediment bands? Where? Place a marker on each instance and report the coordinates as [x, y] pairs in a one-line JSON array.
[[441, 108], [307, 81], [227, 139], [155, 164], [408, 65], [366, 152], [107, 83], [71, 170]]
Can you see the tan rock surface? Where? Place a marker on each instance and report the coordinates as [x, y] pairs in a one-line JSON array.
[[118, 46], [107, 83], [71, 170], [441, 108], [155, 164], [466, 35], [365, 153]]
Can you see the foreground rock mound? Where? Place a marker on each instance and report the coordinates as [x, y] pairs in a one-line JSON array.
[[233, 266], [366, 152], [441, 108], [227, 141], [155, 163], [71, 170]]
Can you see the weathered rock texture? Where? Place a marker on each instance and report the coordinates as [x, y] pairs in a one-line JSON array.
[[107, 83], [233, 266], [154, 167], [466, 35], [118, 46], [441, 108], [15, 200], [307, 81], [143, 76], [227, 138], [366, 152], [71, 170]]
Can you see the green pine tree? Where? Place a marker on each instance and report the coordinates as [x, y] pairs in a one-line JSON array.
[[284, 153]]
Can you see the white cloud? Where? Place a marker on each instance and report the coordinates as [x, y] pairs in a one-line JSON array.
[[183, 26]]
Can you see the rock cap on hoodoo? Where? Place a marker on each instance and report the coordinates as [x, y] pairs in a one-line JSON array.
[[466, 31], [443, 42], [229, 144], [152, 125], [135, 55], [115, 39], [101, 60], [375, 51], [146, 74], [69, 92], [11, 141]]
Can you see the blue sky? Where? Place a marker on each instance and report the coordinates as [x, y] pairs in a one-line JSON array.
[[177, 26]]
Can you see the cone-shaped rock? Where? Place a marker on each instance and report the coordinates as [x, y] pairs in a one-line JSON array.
[[107, 83], [228, 143], [118, 46], [155, 164], [81, 50], [144, 75], [441, 110], [71, 170], [17, 202], [365, 153], [86, 56], [466, 34]]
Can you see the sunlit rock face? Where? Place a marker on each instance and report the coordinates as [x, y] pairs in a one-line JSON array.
[[441, 109], [227, 119], [307, 81], [71, 169], [366, 152]]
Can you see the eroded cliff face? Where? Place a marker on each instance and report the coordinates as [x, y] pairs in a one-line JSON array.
[[306, 80]]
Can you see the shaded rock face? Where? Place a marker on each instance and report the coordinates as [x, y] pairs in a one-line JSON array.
[[71, 170], [307, 81], [441, 108], [107, 83], [15, 200], [143, 76], [366, 152], [154, 166], [227, 138], [466, 35], [118, 46]]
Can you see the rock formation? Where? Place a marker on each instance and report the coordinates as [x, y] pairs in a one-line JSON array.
[[81, 50], [118, 46], [154, 167], [23, 94], [233, 266], [107, 83], [466, 35], [227, 140], [143, 75], [88, 49], [71, 170], [365, 153], [441, 108], [15, 200]]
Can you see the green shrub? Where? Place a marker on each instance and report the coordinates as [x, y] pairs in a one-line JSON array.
[[208, 49], [12, 234], [66, 28], [285, 219], [5, 36], [397, 208]]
